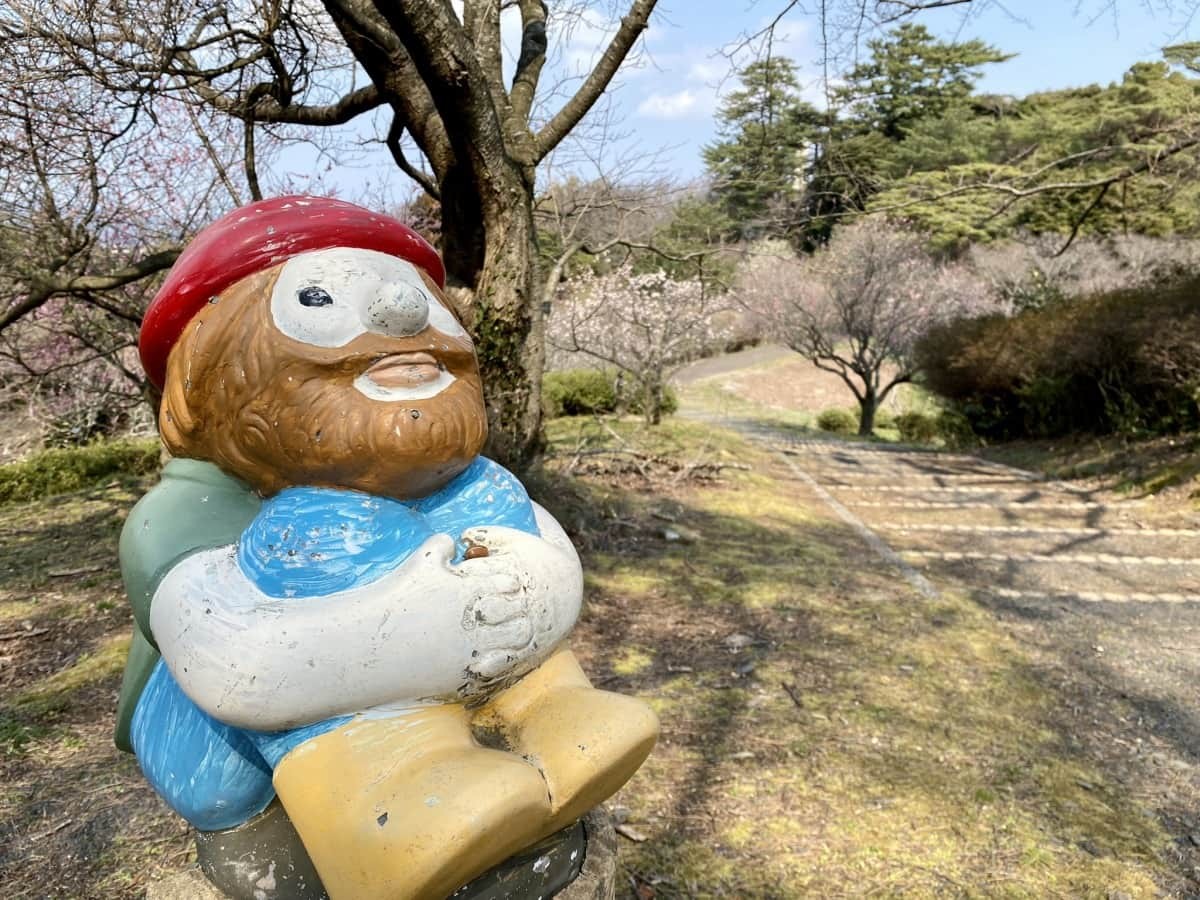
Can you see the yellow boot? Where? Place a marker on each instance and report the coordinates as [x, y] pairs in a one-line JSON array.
[[408, 806], [587, 743]]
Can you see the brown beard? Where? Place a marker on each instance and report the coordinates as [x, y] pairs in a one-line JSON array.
[[276, 412]]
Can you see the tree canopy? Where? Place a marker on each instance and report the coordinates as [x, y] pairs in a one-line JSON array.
[[906, 132], [766, 134], [1119, 159]]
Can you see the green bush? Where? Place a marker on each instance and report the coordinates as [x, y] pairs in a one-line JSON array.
[[586, 392], [955, 430], [578, 392], [1125, 362], [837, 421], [57, 471], [917, 428], [884, 418]]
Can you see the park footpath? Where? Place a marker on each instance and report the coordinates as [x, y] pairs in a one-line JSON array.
[[1102, 590]]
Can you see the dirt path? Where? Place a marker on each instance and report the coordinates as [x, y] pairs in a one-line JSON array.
[[761, 355], [1103, 593]]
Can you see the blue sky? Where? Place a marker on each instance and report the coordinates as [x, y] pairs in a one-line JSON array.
[[1059, 43], [664, 103]]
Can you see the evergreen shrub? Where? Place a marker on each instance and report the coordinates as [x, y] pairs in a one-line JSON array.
[[837, 421], [670, 402], [578, 392], [1124, 362], [587, 392], [917, 427], [59, 470]]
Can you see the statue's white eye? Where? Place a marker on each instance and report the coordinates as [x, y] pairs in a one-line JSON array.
[[318, 295], [327, 298], [443, 320]]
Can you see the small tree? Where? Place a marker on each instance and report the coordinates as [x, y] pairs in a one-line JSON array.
[[646, 326], [857, 307]]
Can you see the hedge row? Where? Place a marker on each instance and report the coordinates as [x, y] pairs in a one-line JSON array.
[[586, 392]]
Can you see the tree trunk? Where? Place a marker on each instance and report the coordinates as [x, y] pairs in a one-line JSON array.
[[868, 403], [654, 401], [492, 271]]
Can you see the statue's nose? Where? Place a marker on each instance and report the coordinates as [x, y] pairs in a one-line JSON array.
[[400, 310]]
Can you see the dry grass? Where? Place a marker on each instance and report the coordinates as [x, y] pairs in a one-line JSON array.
[[76, 818], [825, 732]]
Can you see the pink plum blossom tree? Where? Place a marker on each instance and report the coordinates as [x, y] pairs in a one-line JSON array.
[[857, 306], [97, 194]]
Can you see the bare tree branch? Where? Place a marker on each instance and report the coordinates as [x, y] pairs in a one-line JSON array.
[[46, 288], [249, 161], [270, 111], [481, 22], [632, 25], [456, 81], [1081, 218], [532, 58], [394, 136]]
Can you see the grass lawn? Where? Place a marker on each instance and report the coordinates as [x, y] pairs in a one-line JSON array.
[[825, 731]]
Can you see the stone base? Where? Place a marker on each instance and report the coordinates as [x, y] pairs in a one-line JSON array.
[[190, 884], [597, 880]]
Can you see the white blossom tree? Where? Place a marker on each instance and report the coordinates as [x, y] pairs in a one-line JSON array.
[[857, 307], [1030, 271], [646, 326]]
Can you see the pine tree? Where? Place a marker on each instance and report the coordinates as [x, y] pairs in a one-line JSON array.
[[912, 76], [766, 136], [909, 79]]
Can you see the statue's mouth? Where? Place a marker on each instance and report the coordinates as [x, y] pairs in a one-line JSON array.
[[404, 370]]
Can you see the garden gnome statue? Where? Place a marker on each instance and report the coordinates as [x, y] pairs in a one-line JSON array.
[[337, 597]]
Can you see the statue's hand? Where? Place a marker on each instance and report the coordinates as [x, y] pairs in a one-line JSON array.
[[429, 629], [528, 597]]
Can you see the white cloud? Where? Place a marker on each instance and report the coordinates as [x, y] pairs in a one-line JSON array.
[[792, 33], [680, 105], [708, 71]]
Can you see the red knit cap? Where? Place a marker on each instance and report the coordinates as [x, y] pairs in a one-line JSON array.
[[259, 236]]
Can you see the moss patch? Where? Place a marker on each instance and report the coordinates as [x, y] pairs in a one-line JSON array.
[[55, 692]]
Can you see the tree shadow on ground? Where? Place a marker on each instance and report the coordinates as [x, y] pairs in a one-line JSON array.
[[1135, 707], [824, 729]]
